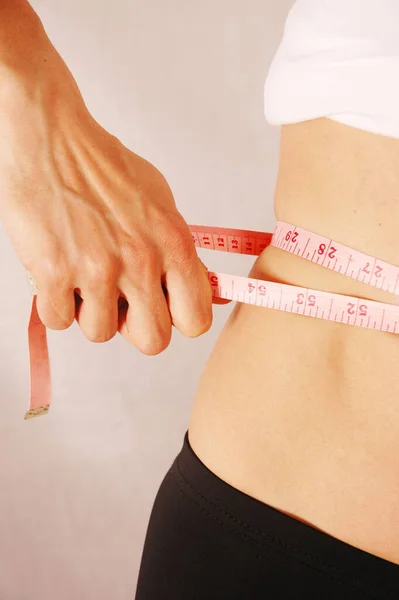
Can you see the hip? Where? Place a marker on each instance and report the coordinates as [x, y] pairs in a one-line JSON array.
[[224, 544], [293, 412]]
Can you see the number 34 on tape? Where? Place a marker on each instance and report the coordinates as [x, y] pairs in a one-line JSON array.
[[302, 301]]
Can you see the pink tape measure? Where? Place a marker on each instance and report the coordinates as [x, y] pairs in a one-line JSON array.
[[302, 301]]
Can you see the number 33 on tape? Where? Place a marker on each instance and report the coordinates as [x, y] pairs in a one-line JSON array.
[[302, 301], [312, 303]]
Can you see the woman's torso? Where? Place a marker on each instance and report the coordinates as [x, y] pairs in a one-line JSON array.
[[299, 413]]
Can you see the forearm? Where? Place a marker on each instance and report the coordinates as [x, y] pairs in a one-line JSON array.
[[31, 70], [23, 41]]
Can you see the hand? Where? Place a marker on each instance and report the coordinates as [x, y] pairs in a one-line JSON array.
[[95, 224]]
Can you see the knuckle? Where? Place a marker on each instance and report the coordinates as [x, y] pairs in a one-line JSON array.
[[61, 323], [175, 239], [58, 324], [99, 272], [139, 255], [144, 270], [131, 252], [181, 248], [200, 325], [52, 317], [53, 272], [99, 337], [151, 349], [155, 344]]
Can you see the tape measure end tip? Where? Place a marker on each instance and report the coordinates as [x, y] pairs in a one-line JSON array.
[[37, 412]]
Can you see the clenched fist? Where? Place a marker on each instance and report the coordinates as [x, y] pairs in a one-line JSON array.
[[95, 224]]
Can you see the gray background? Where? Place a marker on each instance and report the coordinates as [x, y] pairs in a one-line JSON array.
[[180, 83]]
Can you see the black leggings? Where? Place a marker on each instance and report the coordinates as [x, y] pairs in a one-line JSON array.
[[208, 541]]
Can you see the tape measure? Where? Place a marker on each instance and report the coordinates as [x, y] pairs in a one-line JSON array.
[[302, 301]]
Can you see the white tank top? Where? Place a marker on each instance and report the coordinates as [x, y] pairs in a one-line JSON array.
[[338, 59]]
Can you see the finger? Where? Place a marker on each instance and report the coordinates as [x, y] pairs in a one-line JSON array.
[[144, 319], [189, 298], [97, 314], [55, 304]]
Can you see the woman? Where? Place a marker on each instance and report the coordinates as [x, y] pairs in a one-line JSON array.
[[287, 485]]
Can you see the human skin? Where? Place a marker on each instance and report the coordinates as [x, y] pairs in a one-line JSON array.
[[301, 413], [95, 224]]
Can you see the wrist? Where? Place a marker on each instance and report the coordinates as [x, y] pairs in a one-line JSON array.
[[24, 45], [40, 78]]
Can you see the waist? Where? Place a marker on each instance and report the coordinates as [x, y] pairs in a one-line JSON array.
[[357, 365], [291, 409], [265, 353], [343, 184]]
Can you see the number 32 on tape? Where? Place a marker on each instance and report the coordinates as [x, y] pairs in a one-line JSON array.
[[302, 301]]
